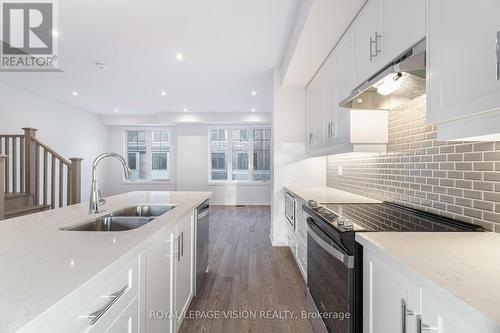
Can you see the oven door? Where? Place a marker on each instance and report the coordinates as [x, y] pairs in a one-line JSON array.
[[330, 279]]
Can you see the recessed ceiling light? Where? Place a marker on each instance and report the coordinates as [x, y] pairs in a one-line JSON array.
[[55, 33], [116, 110], [253, 110], [100, 65], [186, 110], [163, 93], [179, 57], [75, 93], [254, 93]]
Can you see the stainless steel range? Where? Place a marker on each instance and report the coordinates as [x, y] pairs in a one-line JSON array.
[[335, 260]]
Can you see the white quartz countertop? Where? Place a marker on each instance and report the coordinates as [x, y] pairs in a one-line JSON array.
[[40, 264], [465, 265], [325, 194]]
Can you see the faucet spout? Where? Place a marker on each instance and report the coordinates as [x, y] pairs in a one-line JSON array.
[[95, 195]]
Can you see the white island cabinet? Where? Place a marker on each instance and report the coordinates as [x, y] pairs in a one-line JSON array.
[[168, 277]]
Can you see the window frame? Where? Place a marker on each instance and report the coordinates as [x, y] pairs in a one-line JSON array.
[[149, 152], [229, 155]]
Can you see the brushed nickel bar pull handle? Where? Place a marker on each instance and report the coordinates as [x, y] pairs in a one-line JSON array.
[[423, 327], [182, 244], [371, 48], [498, 55], [403, 315], [377, 50], [95, 316], [178, 248]]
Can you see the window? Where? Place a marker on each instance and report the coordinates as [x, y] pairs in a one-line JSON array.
[[240, 154], [149, 154]]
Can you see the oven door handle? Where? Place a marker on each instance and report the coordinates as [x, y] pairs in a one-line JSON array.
[[347, 260]]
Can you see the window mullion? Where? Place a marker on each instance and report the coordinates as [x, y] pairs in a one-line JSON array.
[[250, 154], [229, 149], [149, 154]]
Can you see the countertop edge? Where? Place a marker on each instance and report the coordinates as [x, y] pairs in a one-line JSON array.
[[294, 189]]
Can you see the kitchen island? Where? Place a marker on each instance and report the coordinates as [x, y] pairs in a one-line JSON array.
[[46, 270]]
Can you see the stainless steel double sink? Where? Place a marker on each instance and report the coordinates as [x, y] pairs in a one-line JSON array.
[[124, 219]]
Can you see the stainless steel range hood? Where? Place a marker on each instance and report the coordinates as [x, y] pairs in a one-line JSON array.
[[398, 83]]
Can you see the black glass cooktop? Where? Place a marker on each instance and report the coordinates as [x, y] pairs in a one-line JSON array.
[[388, 217]]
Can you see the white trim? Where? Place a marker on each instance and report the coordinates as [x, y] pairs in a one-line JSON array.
[[172, 162], [228, 152]]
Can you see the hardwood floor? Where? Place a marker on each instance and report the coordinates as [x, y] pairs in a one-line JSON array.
[[247, 275]]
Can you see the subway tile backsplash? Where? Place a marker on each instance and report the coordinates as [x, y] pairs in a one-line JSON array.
[[454, 179]]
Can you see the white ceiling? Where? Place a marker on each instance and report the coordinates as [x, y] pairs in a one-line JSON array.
[[229, 48]]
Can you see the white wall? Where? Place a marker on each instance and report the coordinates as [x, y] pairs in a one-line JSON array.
[[191, 170], [290, 163], [72, 132]]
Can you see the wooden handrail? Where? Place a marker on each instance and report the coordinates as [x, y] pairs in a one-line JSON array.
[[33, 167], [52, 152]]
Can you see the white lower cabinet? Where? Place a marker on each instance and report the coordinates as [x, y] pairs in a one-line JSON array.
[[168, 277], [297, 238], [158, 269], [389, 299], [184, 274], [396, 300]]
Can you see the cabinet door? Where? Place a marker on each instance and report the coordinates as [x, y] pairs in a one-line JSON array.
[[345, 85], [403, 26], [367, 48], [463, 76], [319, 109], [330, 99], [127, 321], [184, 276], [449, 316], [310, 117], [385, 292], [158, 283]]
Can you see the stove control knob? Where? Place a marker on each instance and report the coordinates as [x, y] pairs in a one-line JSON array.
[[349, 226], [341, 220], [312, 203]]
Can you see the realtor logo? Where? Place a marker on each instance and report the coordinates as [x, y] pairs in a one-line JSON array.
[[28, 35]]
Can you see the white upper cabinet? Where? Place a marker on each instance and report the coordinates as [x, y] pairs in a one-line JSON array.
[[367, 42], [463, 60], [384, 30], [330, 100], [403, 26]]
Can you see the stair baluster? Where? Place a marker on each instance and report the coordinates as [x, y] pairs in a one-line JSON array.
[[27, 171]]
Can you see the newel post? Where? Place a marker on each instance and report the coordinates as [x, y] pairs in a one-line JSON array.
[[75, 192], [2, 186], [29, 160]]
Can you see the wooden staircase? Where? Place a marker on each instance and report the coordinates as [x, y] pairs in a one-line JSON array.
[[33, 177]]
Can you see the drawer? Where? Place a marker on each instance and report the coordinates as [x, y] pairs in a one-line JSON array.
[[105, 296]]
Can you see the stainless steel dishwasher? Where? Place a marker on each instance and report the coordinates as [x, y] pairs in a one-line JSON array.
[[202, 217]]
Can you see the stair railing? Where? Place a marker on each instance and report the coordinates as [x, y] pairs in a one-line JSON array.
[[2, 187], [33, 167]]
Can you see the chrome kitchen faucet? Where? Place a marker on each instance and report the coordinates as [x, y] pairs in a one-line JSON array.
[[96, 199]]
